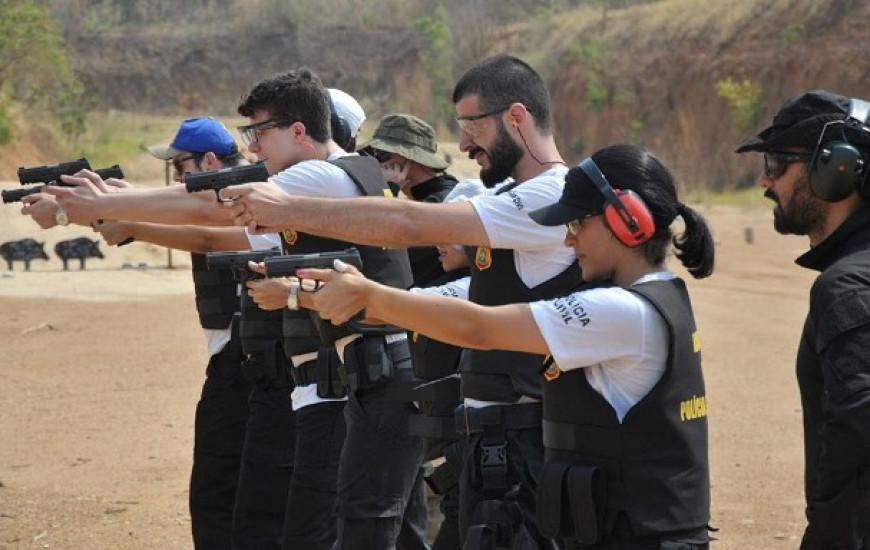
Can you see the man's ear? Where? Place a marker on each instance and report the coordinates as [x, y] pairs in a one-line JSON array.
[[210, 162], [299, 131], [517, 113]]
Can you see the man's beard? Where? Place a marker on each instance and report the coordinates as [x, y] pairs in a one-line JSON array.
[[803, 213], [503, 159]]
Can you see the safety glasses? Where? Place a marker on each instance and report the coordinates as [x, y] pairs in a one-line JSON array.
[[471, 124], [251, 134], [776, 163]]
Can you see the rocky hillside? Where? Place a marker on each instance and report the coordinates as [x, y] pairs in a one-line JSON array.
[[168, 72], [646, 73]]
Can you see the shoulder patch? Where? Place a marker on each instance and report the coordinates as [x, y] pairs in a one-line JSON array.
[[483, 258], [290, 236]]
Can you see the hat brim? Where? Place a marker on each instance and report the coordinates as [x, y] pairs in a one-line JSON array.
[[560, 214], [804, 134], [163, 152], [412, 153]]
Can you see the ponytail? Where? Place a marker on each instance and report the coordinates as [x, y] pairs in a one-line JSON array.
[[695, 246]]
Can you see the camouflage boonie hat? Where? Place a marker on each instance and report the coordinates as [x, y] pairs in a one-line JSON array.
[[408, 136]]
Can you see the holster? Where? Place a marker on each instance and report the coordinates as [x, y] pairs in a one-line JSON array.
[[268, 367], [442, 478], [371, 363], [322, 371], [496, 523], [571, 502]]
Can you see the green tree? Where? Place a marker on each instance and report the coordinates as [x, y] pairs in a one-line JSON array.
[[436, 62], [35, 66], [746, 100]]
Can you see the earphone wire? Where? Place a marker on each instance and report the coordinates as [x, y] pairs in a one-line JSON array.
[[531, 154]]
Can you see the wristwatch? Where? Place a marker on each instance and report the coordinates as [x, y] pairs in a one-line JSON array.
[[60, 217], [293, 297]]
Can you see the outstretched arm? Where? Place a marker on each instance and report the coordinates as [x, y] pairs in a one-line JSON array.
[[459, 322], [190, 238], [89, 201], [369, 220]]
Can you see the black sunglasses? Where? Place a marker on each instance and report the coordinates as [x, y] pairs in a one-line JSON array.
[[380, 155], [775, 163]]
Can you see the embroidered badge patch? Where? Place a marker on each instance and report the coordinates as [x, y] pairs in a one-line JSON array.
[[552, 372], [483, 258], [290, 236]]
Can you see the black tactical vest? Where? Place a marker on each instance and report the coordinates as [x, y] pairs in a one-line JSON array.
[[655, 462], [216, 294], [425, 266], [497, 375], [386, 266]]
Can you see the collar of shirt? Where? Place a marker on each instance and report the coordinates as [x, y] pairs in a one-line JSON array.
[[853, 234]]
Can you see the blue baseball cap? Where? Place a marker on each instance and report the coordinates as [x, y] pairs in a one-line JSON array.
[[198, 135]]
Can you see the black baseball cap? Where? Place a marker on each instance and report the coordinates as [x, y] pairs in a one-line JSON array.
[[580, 198], [800, 121]]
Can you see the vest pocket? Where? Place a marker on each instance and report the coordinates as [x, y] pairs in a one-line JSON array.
[[571, 502]]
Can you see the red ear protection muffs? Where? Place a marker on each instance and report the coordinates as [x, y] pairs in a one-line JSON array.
[[626, 214]]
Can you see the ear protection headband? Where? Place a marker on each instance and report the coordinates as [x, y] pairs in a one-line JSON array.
[[627, 215], [340, 128], [837, 168]]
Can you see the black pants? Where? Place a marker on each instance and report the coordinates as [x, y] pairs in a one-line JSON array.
[[219, 434], [483, 510], [310, 521], [380, 468], [448, 532], [267, 466], [623, 538]]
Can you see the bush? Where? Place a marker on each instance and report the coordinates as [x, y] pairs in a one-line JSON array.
[[746, 100]]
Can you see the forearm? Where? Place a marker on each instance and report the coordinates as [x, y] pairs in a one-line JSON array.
[[458, 322], [172, 205], [386, 222], [190, 238]]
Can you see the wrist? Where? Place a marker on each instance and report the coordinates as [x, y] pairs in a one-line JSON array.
[[60, 216], [293, 295]]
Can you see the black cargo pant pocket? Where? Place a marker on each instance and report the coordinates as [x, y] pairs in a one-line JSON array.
[[571, 502]]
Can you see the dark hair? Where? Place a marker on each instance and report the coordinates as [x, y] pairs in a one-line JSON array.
[[234, 158], [503, 79], [632, 167], [297, 95]]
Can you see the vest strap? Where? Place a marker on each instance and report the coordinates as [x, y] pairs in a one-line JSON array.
[[434, 427], [526, 416], [575, 437]]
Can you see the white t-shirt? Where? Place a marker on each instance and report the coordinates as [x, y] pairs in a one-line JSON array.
[[619, 338], [315, 178], [457, 288], [539, 252]]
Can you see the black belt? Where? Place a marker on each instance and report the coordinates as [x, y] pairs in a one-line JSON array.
[[308, 372], [525, 416], [433, 427]]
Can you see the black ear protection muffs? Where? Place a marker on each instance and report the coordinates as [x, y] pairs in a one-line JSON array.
[[627, 215], [340, 128], [837, 167]]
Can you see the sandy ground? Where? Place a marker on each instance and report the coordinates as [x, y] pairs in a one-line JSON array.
[[100, 372]]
